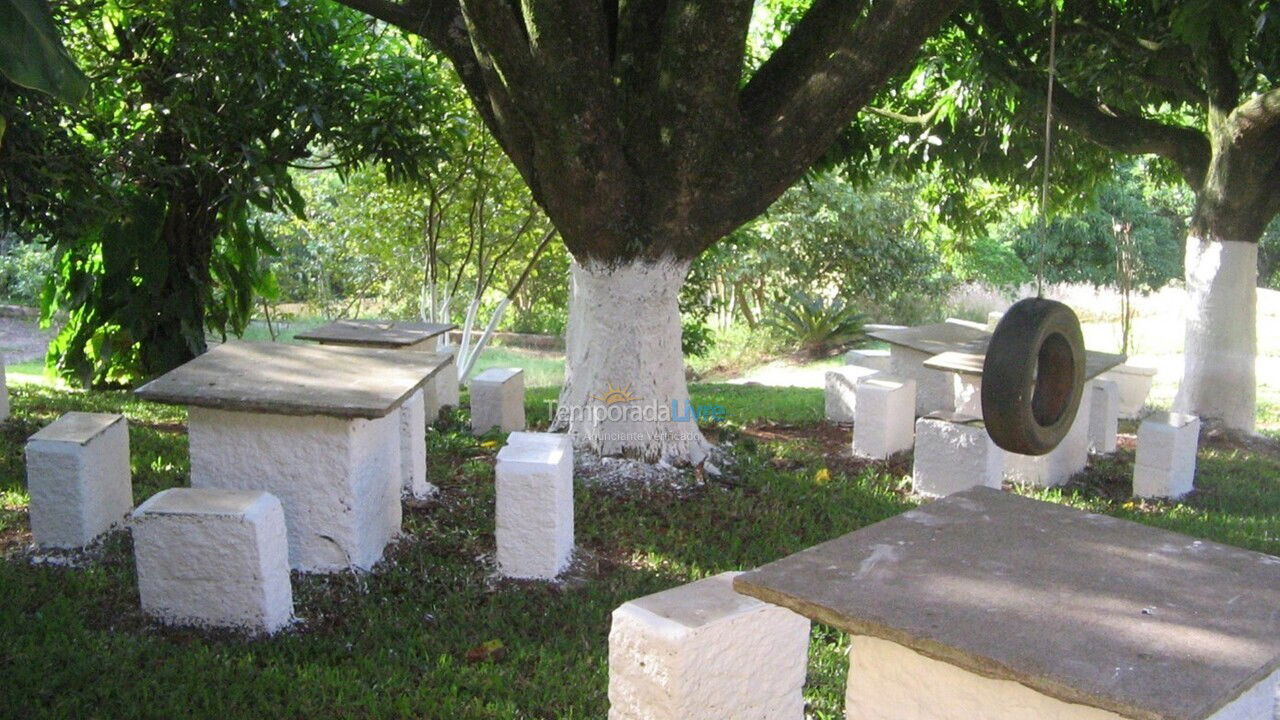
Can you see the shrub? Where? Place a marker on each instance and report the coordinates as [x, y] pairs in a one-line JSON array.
[[814, 325]]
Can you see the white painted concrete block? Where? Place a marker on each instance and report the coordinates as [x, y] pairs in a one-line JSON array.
[[1165, 465], [954, 453], [993, 319], [934, 390], [966, 393], [1070, 457], [534, 514], [4, 392], [497, 400], [446, 381], [213, 557], [703, 652], [888, 681], [1104, 416], [79, 479], [338, 479], [841, 400], [413, 448], [886, 416], [1134, 383], [874, 359]]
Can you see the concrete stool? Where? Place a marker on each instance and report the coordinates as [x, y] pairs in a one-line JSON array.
[[1055, 468], [954, 453], [1165, 466], [841, 400], [704, 652], [413, 447], [446, 382], [1135, 384], [79, 479], [497, 400], [934, 390], [534, 486], [886, 416], [1104, 416], [213, 557], [874, 359]]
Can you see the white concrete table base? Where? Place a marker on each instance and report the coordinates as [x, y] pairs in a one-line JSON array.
[[79, 478], [890, 682], [886, 416], [1165, 465], [966, 393], [446, 381], [840, 399], [1134, 383], [534, 506], [934, 389], [1070, 457], [1104, 416], [497, 400], [954, 453], [413, 447], [703, 652], [215, 558], [874, 359], [4, 393], [339, 479]]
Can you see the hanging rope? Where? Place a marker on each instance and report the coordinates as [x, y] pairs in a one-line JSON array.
[[1048, 146]]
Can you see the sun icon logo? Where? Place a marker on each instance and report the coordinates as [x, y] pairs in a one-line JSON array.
[[614, 395]]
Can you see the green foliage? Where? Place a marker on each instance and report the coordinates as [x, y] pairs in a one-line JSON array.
[[32, 54], [24, 267], [816, 325]]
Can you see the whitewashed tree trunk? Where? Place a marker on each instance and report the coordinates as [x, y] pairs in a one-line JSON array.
[[623, 337], [1219, 375]]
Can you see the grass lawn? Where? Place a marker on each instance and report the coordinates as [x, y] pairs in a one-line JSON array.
[[400, 641]]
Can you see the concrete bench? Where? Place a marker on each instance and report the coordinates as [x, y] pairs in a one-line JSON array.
[[216, 558], [534, 505], [953, 452], [841, 398], [874, 359], [1165, 463], [987, 605], [79, 479], [1071, 456], [497, 400], [1104, 416], [703, 652], [886, 416]]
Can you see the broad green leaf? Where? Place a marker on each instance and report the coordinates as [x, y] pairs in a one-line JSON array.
[[32, 54]]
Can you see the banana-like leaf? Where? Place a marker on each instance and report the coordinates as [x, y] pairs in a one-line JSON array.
[[32, 54]]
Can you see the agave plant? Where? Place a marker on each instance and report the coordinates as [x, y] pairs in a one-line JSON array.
[[815, 325]]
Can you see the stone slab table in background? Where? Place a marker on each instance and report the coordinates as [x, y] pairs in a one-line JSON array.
[[318, 427], [992, 605], [441, 391]]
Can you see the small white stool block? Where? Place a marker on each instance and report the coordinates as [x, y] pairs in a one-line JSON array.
[[966, 389], [212, 557], [446, 381], [534, 523], [934, 389], [886, 416], [1060, 464], [1135, 384], [841, 400], [413, 447], [1165, 465], [79, 479], [874, 359], [1104, 416], [954, 453], [497, 400], [339, 479], [704, 652]]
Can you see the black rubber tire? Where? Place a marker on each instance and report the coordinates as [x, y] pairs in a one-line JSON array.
[[1033, 376]]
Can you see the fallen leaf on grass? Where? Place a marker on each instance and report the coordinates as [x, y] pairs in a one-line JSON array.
[[492, 650]]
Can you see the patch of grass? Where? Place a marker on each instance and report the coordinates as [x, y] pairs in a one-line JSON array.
[[394, 642], [541, 368]]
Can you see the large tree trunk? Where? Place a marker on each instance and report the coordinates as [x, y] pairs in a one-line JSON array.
[[624, 391], [1219, 376]]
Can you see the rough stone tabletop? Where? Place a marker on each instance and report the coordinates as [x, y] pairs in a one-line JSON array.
[[1086, 608], [284, 379], [375, 333]]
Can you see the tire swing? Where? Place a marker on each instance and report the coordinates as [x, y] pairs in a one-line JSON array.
[[1033, 374]]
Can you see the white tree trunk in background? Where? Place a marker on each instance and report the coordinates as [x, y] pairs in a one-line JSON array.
[[624, 390], [1219, 376]]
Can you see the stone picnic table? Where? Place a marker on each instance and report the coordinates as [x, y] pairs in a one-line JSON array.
[[319, 427], [991, 605], [388, 335]]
